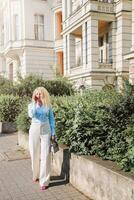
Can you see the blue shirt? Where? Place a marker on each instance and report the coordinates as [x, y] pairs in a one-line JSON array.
[[41, 114]]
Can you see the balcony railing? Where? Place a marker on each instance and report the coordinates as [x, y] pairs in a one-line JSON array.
[[106, 64], [57, 3], [76, 4]]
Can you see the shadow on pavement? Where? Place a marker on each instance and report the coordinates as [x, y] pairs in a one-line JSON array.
[[63, 178]]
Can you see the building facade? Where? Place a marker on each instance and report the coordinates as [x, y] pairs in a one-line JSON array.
[[84, 40], [26, 38], [96, 35]]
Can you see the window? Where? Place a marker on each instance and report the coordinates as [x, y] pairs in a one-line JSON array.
[[16, 27], [39, 27], [107, 38], [101, 41]]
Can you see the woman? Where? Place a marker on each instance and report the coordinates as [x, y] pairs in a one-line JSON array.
[[42, 131]]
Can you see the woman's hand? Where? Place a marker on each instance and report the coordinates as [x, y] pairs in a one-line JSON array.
[[35, 99], [53, 138], [39, 101]]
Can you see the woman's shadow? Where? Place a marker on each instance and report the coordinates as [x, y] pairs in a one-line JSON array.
[[63, 178]]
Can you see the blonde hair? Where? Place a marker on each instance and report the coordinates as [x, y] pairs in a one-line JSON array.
[[45, 96]]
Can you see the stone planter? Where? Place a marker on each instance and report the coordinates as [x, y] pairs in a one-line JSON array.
[[7, 127], [95, 178]]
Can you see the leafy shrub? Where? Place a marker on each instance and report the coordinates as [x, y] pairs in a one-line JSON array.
[[127, 159], [6, 86], [27, 85], [64, 113], [98, 123], [59, 87], [101, 123], [76, 112], [10, 107], [22, 120]]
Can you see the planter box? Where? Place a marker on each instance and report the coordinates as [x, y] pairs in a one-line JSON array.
[[95, 178], [7, 127]]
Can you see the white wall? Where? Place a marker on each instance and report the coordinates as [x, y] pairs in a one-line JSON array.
[[39, 61]]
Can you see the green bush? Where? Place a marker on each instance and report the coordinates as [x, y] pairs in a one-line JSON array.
[[127, 159], [97, 123], [22, 120], [64, 113], [10, 107], [75, 112], [6, 86], [59, 87], [100, 123], [25, 86]]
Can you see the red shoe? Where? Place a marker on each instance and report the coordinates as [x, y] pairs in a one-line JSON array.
[[36, 180], [43, 187]]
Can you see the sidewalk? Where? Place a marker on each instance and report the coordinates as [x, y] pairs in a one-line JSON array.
[[16, 176]]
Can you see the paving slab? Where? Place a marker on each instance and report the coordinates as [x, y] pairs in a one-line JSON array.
[[16, 176]]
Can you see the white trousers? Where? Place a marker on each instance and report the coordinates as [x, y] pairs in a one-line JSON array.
[[39, 146]]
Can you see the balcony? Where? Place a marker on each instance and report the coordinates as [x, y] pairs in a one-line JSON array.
[[82, 8], [57, 4], [105, 65]]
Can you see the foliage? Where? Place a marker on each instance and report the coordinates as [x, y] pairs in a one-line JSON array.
[[100, 123], [25, 86], [22, 120], [6, 86], [10, 107], [97, 123], [59, 87]]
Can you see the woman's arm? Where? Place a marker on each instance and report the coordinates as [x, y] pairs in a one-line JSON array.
[[52, 121], [31, 110]]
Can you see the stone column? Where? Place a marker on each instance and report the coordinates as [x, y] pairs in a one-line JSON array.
[[92, 43], [65, 54], [84, 44], [132, 25], [123, 41], [64, 9], [69, 52], [69, 7], [112, 43]]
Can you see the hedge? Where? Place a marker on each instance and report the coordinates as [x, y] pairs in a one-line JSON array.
[[26, 86], [10, 106]]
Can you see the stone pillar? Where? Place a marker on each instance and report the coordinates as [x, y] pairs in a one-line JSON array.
[[65, 60], [71, 51], [92, 43], [131, 70], [112, 44], [64, 9], [132, 25], [84, 44], [55, 26], [130, 55], [69, 7], [123, 41]]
